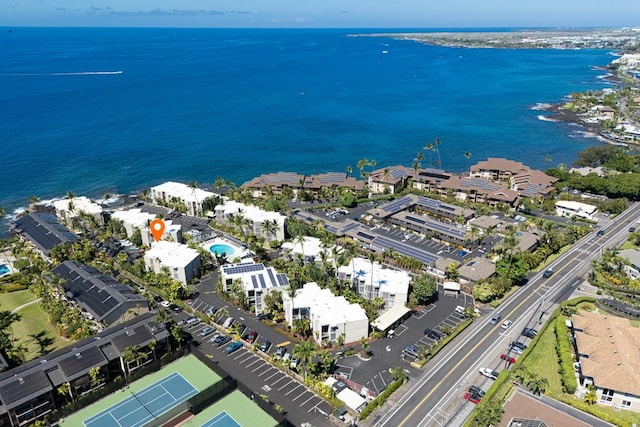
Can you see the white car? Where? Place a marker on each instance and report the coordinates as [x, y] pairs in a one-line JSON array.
[[506, 324], [489, 373], [165, 304]]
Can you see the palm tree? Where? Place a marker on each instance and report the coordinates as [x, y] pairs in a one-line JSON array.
[[467, 155], [70, 195], [270, 227], [349, 170], [177, 334], [145, 194], [194, 185], [305, 350], [399, 373], [429, 148], [361, 165], [64, 389], [547, 159], [437, 148], [131, 354], [95, 375], [364, 347]]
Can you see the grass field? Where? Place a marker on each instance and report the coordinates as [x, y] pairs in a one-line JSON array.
[[543, 361], [11, 300], [34, 320]]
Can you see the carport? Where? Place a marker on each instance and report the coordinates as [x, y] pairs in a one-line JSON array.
[[451, 288], [390, 318], [352, 399]]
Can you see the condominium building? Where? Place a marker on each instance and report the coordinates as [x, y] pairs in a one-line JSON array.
[[191, 197], [182, 262]]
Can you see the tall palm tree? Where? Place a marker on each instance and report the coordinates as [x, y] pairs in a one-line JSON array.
[[437, 148], [305, 351], [467, 155], [194, 186], [429, 148]]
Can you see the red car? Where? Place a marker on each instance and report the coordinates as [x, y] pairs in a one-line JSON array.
[[252, 337], [472, 397], [508, 358]]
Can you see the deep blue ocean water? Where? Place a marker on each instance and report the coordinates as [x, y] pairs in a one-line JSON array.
[[114, 110]]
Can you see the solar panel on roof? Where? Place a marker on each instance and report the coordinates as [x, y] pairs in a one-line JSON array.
[[254, 282], [282, 279], [414, 219], [262, 282], [365, 235], [350, 227], [406, 250], [242, 268]]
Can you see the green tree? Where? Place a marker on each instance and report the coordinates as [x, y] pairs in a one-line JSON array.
[[96, 377], [364, 347], [424, 288], [305, 350]]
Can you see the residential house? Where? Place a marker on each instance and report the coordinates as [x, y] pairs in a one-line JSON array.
[[104, 298], [569, 208], [252, 220], [329, 316], [389, 180], [192, 198], [276, 182], [44, 231], [256, 280], [607, 348], [632, 268], [29, 391], [66, 209], [479, 190], [372, 280], [182, 262]]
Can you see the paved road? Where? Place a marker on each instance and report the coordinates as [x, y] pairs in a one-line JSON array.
[[436, 397]]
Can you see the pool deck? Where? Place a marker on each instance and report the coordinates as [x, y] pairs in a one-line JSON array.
[[238, 251]]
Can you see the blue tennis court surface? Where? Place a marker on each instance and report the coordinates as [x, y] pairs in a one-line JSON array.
[[223, 419], [145, 405]]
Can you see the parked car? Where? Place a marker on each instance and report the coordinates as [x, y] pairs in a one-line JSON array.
[[233, 347], [411, 350], [175, 308], [294, 363], [489, 373], [251, 337], [508, 358], [210, 310], [206, 331], [214, 337], [280, 352], [520, 345], [506, 324], [477, 390], [221, 340], [529, 333], [474, 398], [264, 345], [433, 334], [165, 303]]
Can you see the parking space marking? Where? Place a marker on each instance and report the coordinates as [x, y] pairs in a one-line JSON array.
[[278, 380], [239, 355], [305, 402], [300, 395], [315, 407], [449, 323], [260, 366], [288, 382], [270, 368], [255, 361], [292, 390], [400, 330], [272, 375]]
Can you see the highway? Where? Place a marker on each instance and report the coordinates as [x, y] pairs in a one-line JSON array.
[[435, 399]]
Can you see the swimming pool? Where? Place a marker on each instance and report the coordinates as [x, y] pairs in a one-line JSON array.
[[220, 248], [4, 270]]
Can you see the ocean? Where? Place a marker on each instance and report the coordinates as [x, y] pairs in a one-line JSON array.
[[96, 110]]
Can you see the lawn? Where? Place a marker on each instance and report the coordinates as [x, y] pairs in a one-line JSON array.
[[35, 320], [11, 300], [543, 360]]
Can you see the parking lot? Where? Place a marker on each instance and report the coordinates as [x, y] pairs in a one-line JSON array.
[[387, 353]]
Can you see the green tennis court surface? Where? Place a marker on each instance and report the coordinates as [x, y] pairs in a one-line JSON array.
[[145, 405]]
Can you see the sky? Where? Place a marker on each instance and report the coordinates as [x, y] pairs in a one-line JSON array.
[[322, 13]]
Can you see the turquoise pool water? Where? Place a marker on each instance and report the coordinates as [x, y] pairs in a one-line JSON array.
[[4, 269], [220, 248]]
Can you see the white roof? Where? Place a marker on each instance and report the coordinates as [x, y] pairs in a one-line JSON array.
[[310, 246], [576, 206], [391, 281], [172, 254], [251, 212], [389, 317], [451, 286], [183, 191], [81, 203], [134, 217], [326, 306], [351, 399]]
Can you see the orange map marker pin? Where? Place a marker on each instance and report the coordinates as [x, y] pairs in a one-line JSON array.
[[157, 229]]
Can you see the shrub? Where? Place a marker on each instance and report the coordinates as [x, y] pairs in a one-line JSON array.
[[381, 398], [563, 349]]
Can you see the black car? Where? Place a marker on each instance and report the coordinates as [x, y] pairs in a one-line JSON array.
[[222, 339], [476, 390], [519, 345], [264, 345], [433, 334], [529, 333], [156, 298], [547, 273], [175, 308]]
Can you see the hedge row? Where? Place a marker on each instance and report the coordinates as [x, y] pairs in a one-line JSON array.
[[563, 349], [381, 398]]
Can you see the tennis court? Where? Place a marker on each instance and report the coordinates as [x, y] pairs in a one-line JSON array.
[[142, 406], [223, 419]]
